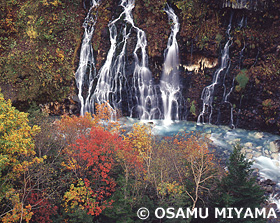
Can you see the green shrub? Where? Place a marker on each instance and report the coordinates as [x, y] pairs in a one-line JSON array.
[[242, 79]]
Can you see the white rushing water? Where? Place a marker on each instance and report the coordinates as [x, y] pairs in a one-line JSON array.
[[207, 95], [130, 86], [86, 69], [169, 84], [273, 199], [109, 83], [144, 91], [258, 146], [270, 168], [112, 84]]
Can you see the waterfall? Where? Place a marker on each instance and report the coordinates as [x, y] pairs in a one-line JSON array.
[[169, 84], [109, 77], [138, 96], [111, 81], [207, 95], [226, 95], [86, 69], [240, 4], [104, 88], [143, 88], [112, 77]]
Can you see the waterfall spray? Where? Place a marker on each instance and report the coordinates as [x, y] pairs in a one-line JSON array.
[[86, 69], [143, 88], [169, 84], [227, 94], [207, 95], [104, 92], [112, 84]]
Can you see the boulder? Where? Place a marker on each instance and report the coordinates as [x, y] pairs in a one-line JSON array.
[[259, 135], [248, 144], [269, 182], [275, 146], [268, 189], [249, 155], [257, 154], [249, 150], [259, 148], [275, 156], [266, 152]]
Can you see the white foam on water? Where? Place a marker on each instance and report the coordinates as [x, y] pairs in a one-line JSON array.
[[268, 168]]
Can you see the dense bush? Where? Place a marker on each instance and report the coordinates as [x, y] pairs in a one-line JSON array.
[[39, 41], [85, 169]]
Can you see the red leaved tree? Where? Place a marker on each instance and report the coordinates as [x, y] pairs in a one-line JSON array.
[[93, 159], [41, 207]]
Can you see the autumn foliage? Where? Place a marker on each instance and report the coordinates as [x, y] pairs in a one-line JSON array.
[[94, 148], [89, 168], [92, 162], [42, 207], [17, 155]]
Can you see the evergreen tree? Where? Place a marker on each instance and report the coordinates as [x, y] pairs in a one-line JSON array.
[[238, 188]]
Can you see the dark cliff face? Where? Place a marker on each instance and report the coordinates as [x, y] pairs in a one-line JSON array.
[[254, 72], [253, 75], [254, 58]]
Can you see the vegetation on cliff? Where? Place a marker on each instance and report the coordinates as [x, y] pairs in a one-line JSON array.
[[39, 45], [40, 42]]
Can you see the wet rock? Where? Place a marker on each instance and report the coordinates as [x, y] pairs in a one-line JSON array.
[[248, 144], [259, 148], [275, 146], [75, 98], [236, 140], [249, 155], [256, 171], [269, 182], [259, 135], [257, 154], [266, 152], [268, 189], [272, 205], [275, 156], [277, 189], [208, 136]]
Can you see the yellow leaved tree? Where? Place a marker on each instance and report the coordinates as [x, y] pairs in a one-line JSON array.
[[17, 154]]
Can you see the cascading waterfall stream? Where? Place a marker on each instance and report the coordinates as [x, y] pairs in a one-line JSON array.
[[86, 69], [104, 90], [138, 95], [207, 95], [226, 100], [144, 91], [169, 84], [111, 81], [111, 78], [227, 94], [126, 82]]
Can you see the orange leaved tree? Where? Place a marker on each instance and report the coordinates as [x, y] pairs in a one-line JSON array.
[[201, 168], [93, 159], [93, 146]]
